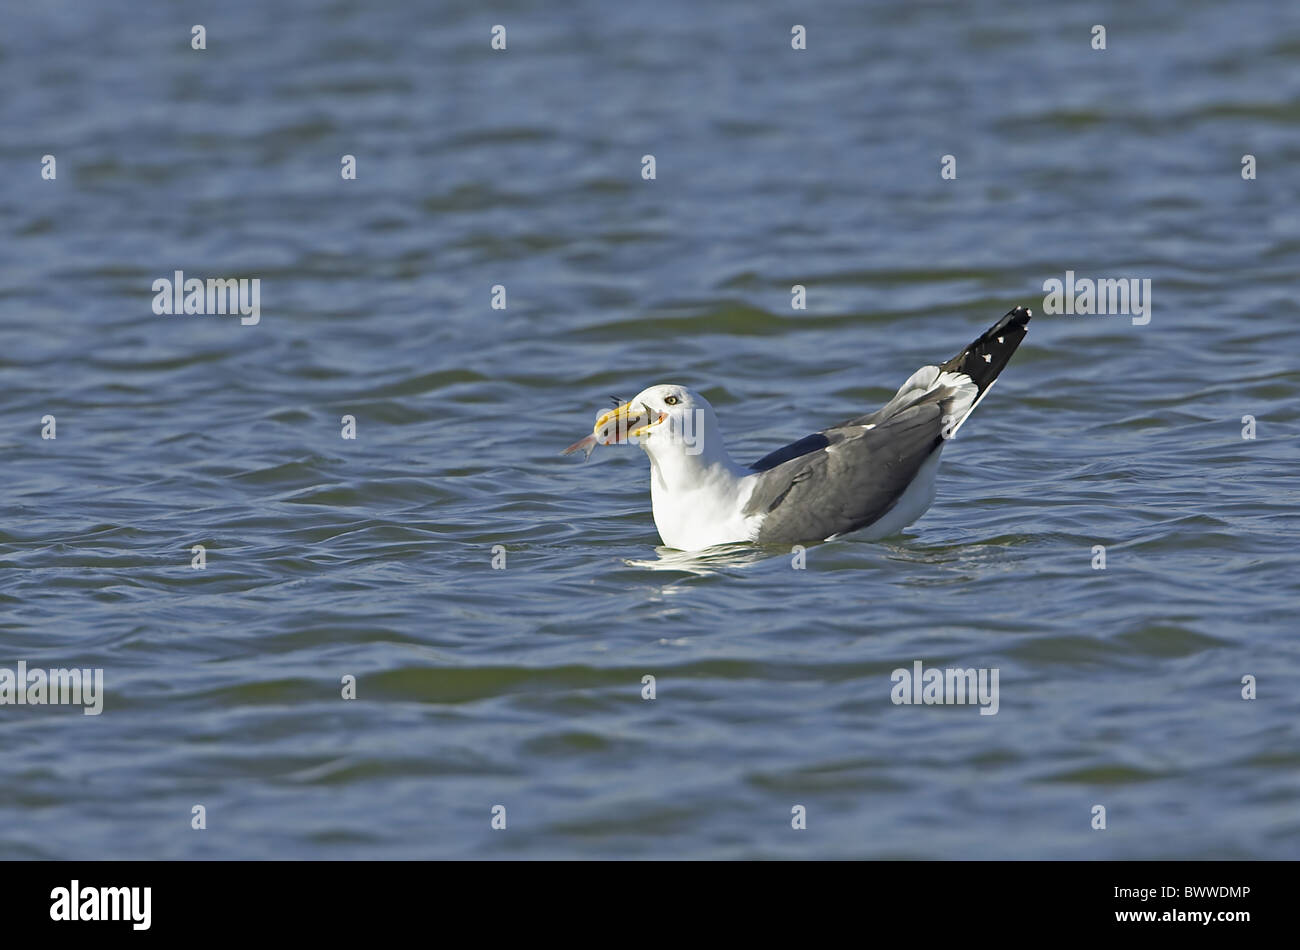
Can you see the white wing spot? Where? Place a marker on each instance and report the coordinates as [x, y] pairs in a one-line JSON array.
[[999, 339], [988, 357]]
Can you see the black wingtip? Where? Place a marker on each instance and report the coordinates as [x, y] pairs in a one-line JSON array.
[[1018, 316], [985, 358]]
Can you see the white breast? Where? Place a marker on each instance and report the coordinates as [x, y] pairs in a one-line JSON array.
[[706, 513]]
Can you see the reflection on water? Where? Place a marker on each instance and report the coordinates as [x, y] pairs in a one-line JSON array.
[[711, 561]]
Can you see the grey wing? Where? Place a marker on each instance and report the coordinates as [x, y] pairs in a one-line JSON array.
[[854, 480], [850, 475], [916, 391]]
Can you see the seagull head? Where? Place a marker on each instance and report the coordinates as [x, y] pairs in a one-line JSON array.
[[667, 418]]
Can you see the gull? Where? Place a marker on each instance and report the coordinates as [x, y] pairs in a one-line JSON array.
[[870, 476]]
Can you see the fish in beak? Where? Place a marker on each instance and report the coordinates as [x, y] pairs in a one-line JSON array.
[[623, 423]]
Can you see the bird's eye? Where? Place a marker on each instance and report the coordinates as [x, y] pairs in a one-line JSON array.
[[671, 400]]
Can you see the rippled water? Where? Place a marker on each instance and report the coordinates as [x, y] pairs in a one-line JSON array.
[[522, 687]]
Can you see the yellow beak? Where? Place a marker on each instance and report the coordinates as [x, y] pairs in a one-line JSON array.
[[619, 425], [625, 423]]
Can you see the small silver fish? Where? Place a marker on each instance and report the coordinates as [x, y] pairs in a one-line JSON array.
[[614, 427], [588, 445]]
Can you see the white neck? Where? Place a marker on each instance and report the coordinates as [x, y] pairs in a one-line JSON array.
[[698, 491]]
